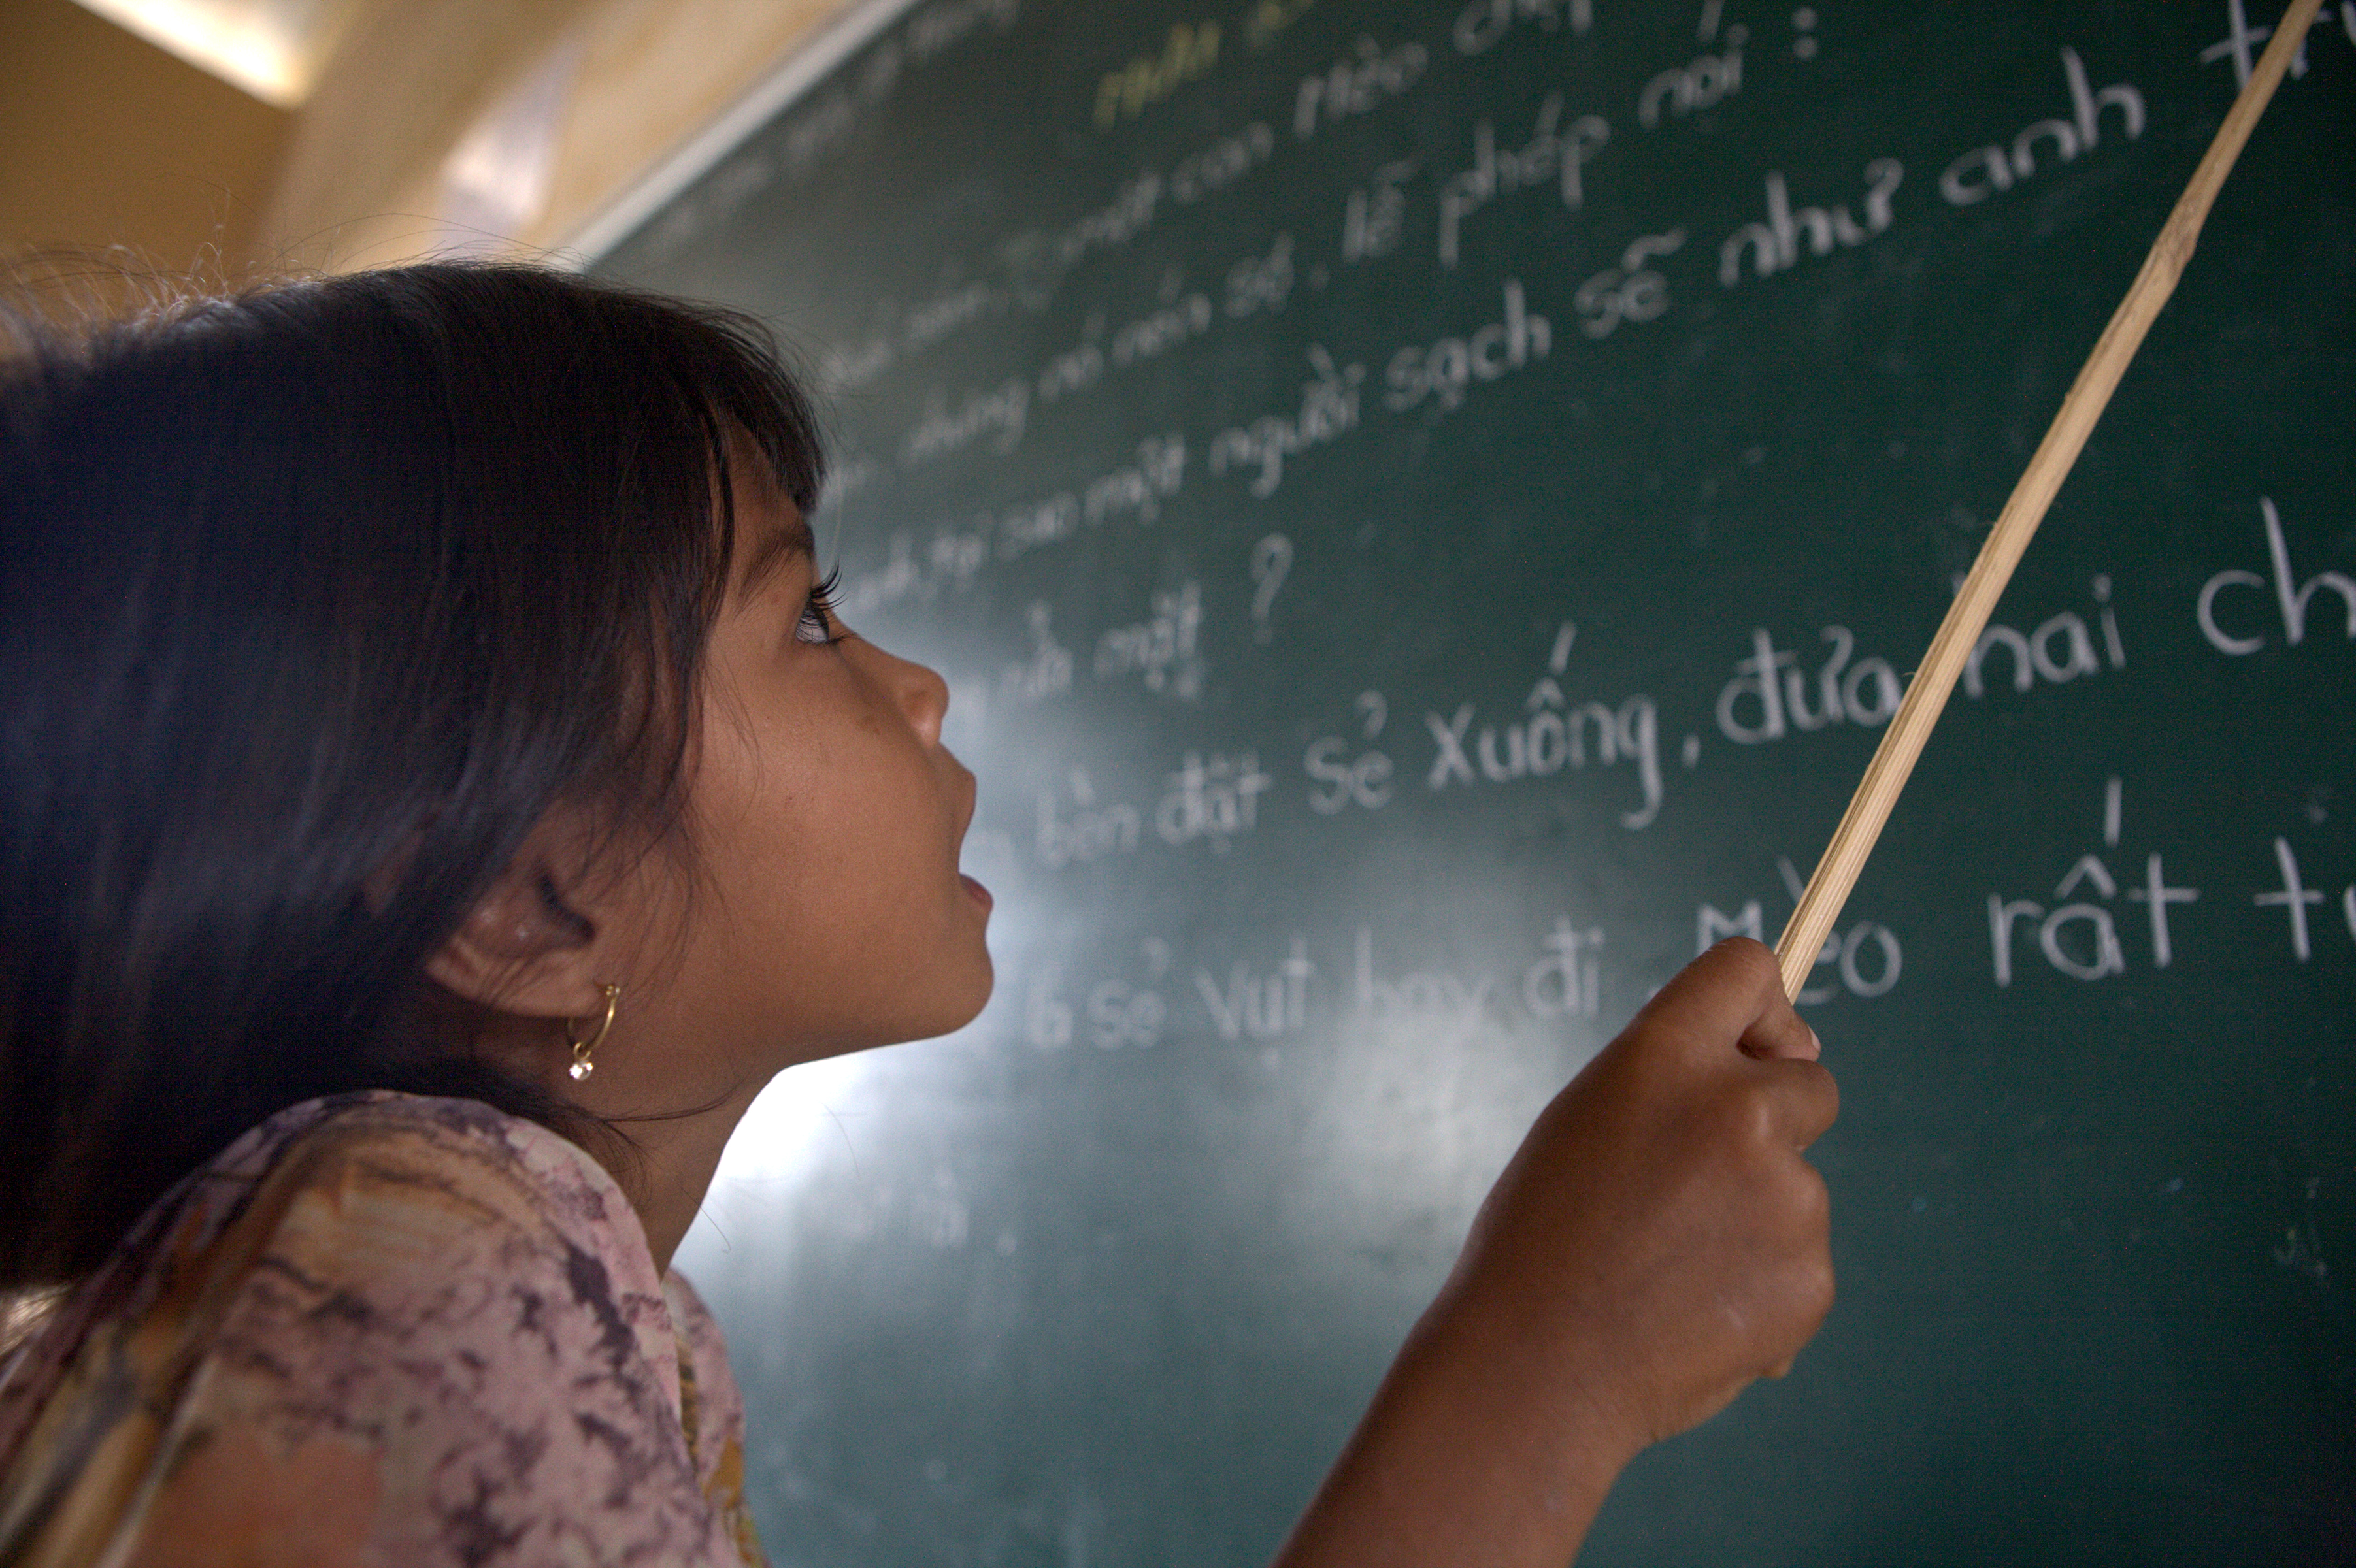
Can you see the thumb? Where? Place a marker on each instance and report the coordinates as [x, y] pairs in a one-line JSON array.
[[1771, 1038], [1776, 1030]]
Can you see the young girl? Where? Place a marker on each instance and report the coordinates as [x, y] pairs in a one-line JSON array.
[[435, 797]]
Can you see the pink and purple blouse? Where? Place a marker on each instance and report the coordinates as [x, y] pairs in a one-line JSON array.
[[378, 1329]]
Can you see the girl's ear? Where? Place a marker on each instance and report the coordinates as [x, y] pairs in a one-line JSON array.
[[524, 949]]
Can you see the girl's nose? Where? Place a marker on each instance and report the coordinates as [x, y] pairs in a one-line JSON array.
[[922, 694]]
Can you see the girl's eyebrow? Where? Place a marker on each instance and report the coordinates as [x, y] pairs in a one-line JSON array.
[[790, 537]]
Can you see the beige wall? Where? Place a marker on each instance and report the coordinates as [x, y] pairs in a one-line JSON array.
[[105, 140], [363, 181]]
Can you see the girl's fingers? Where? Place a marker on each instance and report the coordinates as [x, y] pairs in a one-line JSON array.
[[1734, 990], [1780, 1032], [1721, 996]]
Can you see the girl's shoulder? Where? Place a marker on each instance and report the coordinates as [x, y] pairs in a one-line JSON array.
[[417, 1330]]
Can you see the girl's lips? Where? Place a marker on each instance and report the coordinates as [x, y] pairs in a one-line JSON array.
[[979, 893]]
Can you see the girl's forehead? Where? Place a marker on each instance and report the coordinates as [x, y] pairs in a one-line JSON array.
[[770, 530], [767, 538]]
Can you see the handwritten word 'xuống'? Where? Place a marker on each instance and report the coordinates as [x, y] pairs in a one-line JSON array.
[[1555, 736]]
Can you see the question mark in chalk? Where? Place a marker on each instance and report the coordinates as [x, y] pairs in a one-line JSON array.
[[1271, 558]]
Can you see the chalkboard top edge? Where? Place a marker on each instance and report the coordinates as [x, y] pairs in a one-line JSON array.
[[803, 68]]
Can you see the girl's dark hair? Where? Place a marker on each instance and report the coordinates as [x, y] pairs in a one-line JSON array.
[[313, 601]]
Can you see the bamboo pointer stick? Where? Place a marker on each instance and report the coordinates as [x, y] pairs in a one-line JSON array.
[[1927, 693]]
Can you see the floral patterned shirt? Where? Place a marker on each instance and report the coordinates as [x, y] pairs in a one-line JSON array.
[[378, 1329]]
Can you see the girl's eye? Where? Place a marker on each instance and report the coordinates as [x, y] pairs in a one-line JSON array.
[[818, 623]]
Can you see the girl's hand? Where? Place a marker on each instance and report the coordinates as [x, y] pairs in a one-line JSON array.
[[1659, 1223], [1656, 1244]]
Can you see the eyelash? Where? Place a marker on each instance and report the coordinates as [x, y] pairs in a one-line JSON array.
[[818, 623]]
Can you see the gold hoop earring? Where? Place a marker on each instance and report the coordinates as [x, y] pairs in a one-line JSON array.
[[582, 1066]]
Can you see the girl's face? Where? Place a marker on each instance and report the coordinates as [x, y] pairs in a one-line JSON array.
[[828, 913]]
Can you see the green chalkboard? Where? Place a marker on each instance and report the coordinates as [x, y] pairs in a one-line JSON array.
[[1424, 510]]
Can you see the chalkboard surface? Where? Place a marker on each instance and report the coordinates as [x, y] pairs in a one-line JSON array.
[[1424, 510]]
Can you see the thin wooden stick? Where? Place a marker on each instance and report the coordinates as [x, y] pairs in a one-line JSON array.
[[1803, 940]]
